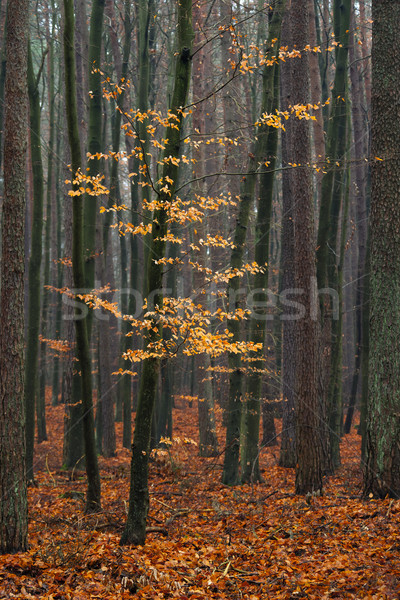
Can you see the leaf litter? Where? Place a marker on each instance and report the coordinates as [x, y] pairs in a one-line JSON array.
[[205, 540]]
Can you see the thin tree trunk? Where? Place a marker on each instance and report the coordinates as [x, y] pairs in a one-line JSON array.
[[208, 445], [135, 528], [41, 400], [360, 151], [230, 474], [32, 346], [266, 155], [82, 341], [287, 457]]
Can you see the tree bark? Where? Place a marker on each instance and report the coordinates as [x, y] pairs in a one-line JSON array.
[[135, 528], [307, 327], [13, 505], [82, 341], [32, 345], [382, 470]]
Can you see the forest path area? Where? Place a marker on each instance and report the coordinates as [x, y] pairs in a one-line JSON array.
[[205, 540]]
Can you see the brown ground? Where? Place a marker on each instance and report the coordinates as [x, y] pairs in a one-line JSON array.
[[207, 540]]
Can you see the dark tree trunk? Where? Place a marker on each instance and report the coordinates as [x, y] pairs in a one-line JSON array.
[[287, 457], [307, 328], [13, 505], [135, 528], [32, 345], [382, 472], [82, 341]]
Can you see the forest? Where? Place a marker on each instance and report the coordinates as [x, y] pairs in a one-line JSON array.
[[199, 299]]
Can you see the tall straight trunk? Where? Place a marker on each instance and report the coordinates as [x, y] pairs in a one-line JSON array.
[[382, 469], [318, 152], [71, 389], [361, 173], [327, 242], [335, 380], [208, 445], [337, 124], [307, 327], [124, 384], [82, 341], [13, 505], [132, 302], [259, 284], [342, 14], [50, 189], [230, 475], [95, 143], [32, 345], [335, 395], [135, 528], [145, 16], [365, 353], [56, 255], [106, 395], [287, 456]]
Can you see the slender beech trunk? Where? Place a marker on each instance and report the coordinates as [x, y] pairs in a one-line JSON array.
[[208, 445], [318, 153], [135, 528], [82, 341], [335, 129], [55, 258], [32, 345], [230, 475], [327, 244], [125, 383], [287, 457], [342, 14], [13, 505], [50, 189], [95, 142], [360, 151], [259, 285]]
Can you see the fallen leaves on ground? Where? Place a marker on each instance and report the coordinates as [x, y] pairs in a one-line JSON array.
[[205, 540]]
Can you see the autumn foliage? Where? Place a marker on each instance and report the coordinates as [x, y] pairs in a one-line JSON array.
[[205, 540]]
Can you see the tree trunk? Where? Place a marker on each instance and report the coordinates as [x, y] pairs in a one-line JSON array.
[[50, 215], [266, 155], [307, 327], [82, 341], [95, 144], [13, 505], [382, 470], [135, 528], [208, 445], [32, 345], [287, 457], [360, 151]]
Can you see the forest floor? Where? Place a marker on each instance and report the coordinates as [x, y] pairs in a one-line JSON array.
[[206, 540]]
